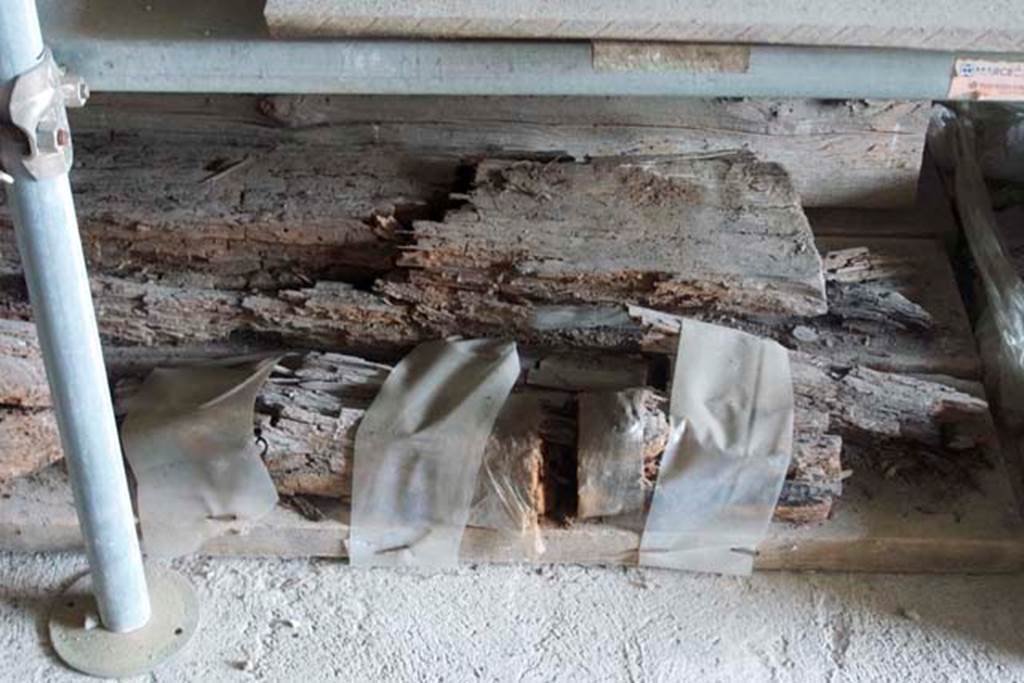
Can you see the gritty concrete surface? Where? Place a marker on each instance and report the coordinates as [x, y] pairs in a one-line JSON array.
[[297, 620]]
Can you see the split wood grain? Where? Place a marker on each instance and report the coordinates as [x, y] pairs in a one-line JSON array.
[[724, 232], [29, 439], [894, 306], [187, 209], [22, 375], [852, 153]]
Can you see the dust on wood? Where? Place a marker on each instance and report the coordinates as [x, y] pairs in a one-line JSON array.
[[28, 431], [720, 231]]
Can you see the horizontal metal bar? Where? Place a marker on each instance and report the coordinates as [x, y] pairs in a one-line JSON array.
[[194, 46], [486, 68]]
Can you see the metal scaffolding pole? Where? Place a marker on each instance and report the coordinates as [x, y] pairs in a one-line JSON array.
[[146, 615], [51, 255]]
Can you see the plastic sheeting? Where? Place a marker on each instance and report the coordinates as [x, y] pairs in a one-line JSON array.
[[732, 441], [610, 453], [188, 437], [419, 450], [997, 134], [509, 480], [1000, 329]]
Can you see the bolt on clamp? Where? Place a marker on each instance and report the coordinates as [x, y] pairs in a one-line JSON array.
[[34, 121]]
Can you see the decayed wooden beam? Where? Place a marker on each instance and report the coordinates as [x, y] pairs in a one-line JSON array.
[[894, 306], [914, 269], [838, 153], [309, 417], [724, 232], [340, 317], [325, 315], [22, 376], [28, 432], [231, 213], [623, 436], [865, 405]]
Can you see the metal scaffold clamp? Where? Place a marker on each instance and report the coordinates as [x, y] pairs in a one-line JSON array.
[[35, 112]]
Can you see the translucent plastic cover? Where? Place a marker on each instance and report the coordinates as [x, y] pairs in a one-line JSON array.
[[731, 444], [509, 483], [188, 437], [419, 450], [610, 471], [1001, 327]]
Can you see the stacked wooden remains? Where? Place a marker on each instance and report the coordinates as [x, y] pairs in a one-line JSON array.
[[28, 431], [584, 264]]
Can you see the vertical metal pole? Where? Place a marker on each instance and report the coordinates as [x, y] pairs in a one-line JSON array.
[[51, 255]]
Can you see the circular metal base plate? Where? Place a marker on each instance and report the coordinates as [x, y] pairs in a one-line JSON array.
[[85, 645]]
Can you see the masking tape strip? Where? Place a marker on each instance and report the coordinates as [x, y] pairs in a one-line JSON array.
[[732, 440], [639, 56], [610, 468], [188, 437], [419, 449]]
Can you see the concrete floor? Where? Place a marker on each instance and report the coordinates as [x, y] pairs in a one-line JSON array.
[[279, 620]]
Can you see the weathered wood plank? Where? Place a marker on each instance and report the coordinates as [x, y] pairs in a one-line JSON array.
[[327, 315], [724, 232], [28, 431], [853, 153], [22, 376], [905, 424], [29, 441], [921, 325], [237, 214], [932, 25], [308, 414], [881, 525], [867, 287]]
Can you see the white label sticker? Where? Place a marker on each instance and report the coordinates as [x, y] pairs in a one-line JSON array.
[[982, 79]]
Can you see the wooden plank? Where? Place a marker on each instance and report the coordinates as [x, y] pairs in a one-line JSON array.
[[332, 315], [838, 153], [28, 431], [880, 526], [929, 217], [933, 24], [22, 376], [912, 275], [917, 271], [29, 441], [723, 232], [257, 214], [308, 413]]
